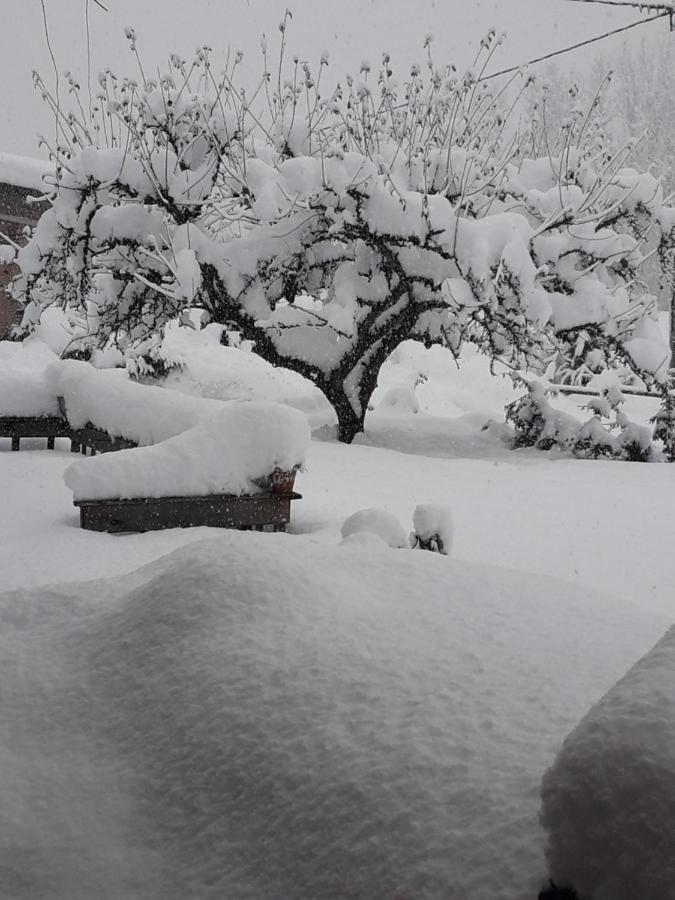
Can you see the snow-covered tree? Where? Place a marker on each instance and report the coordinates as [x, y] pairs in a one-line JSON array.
[[326, 229]]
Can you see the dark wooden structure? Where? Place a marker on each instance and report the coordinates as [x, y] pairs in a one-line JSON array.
[[97, 441], [268, 510], [17, 427], [248, 512]]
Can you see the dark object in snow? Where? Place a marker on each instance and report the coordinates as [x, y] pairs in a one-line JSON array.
[[553, 892], [258, 512], [268, 510], [97, 441], [17, 427], [50, 427], [434, 543]]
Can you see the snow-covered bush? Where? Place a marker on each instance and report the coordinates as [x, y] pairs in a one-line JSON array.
[[432, 528], [664, 423], [326, 229], [608, 433], [609, 798], [377, 522]]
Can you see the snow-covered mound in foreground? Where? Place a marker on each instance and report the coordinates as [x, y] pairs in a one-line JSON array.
[[259, 717], [225, 453], [609, 799]]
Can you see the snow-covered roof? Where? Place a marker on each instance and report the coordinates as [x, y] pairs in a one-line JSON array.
[[23, 171]]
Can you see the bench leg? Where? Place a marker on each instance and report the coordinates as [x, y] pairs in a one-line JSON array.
[[16, 443], [74, 447], [50, 443], [83, 451]]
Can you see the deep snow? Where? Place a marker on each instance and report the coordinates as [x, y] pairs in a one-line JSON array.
[[265, 716], [432, 694]]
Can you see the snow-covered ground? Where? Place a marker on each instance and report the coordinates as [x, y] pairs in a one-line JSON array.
[[272, 716]]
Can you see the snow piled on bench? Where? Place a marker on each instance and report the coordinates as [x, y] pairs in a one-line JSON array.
[[609, 799], [110, 401], [239, 442], [266, 716], [25, 388]]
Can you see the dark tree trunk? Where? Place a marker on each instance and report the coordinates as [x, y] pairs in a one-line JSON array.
[[350, 423]]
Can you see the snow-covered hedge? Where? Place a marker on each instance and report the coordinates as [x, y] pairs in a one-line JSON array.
[[608, 432], [609, 798], [231, 447]]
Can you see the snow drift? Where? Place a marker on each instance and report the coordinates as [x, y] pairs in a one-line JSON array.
[[260, 716], [609, 799]]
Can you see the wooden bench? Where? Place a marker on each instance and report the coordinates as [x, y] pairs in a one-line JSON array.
[[97, 441], [17, 427], [258, 512]]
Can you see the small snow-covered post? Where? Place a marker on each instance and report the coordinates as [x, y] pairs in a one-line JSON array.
[[433, 528]]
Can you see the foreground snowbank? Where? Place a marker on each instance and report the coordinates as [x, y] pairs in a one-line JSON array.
[[260, 716], [240, 442], [609, 799]]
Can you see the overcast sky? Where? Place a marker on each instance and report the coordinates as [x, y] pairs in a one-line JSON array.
[[350, 30]]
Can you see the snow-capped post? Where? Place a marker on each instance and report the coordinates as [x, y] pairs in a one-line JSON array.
[[327, 228], [433, 528]]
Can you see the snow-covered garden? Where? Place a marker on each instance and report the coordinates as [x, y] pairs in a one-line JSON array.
[[386, 295], [304, 715]]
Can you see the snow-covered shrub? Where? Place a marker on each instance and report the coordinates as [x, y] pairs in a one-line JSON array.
[[327, 228], [378, 522], [609, 798], [608, 433], [432, 528], [664, 423]]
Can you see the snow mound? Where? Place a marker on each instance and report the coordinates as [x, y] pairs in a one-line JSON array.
[[433, 527], [207, 368], [609, 798], [240, 442], [25, 388], [378, 522], [260, 716]]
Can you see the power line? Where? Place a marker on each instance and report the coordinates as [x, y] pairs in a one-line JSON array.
[[667, 12], [668, 7]]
